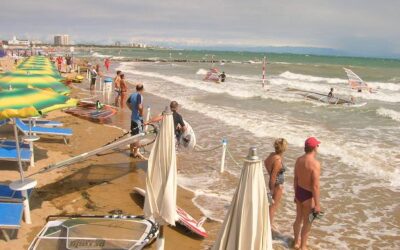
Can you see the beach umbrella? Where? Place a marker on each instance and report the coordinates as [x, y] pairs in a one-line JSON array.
[[161, 178], [37, 72], [24, 103], [16, 81], [247, 225]]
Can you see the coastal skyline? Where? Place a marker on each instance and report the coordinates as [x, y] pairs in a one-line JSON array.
[[361, 28]]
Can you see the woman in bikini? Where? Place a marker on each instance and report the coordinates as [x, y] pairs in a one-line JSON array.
[[276, 170]]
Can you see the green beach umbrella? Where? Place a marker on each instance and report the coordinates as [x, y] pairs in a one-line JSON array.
[[17, 81], [29, 102]]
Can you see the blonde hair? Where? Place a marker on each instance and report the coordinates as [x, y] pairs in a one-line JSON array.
[[280, 145]]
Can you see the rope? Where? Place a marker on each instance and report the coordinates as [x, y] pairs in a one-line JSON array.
[[232, 158], [203, 150]]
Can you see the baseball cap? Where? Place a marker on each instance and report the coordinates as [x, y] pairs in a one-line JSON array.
[[312, 142]]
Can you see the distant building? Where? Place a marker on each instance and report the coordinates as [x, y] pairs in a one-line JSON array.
[[117, 43], [15, 41], [36, 42], [60, 40]]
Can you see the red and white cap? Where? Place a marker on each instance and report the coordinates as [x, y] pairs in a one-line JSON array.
[[312, 142]]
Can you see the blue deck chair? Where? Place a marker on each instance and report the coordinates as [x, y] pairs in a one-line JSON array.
[[9, 153], [7, 194], [3, 122], [11, 216], [64, 132], [45, 123]]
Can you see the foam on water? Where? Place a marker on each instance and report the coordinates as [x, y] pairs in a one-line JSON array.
[[358, 159], [389, 113], [96, 54], [363, 153]]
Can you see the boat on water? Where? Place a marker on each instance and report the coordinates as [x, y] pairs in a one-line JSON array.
[[95, 232], [356, 83]]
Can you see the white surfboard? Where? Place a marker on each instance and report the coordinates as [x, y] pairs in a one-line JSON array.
[[188, 138]]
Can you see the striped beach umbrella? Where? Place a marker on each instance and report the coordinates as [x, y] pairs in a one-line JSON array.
[[29, 102], [17, 81]]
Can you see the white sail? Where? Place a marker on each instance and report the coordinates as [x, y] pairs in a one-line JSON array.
[[355, 81]]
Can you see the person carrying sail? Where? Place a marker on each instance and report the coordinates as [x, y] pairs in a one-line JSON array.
[[179, 124]]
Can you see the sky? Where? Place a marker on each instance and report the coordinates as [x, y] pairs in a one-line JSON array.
[[360, 27]]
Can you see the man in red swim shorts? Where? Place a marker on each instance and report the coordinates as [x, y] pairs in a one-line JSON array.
[[307, 195]]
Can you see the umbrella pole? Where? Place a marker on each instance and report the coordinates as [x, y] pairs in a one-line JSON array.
[[21, 170], [160, 238]]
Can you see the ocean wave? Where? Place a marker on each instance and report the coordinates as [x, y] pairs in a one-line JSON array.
[[352, 153], [97, 54], [394, 115], [279, 84], [309, 78]]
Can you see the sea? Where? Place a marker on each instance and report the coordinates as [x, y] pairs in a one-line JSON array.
[[360, 149]]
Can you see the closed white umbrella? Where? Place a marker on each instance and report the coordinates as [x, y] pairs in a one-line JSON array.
[[247, 225], [161, 178]]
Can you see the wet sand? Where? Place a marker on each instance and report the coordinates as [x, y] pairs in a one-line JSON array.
[[98, 185]]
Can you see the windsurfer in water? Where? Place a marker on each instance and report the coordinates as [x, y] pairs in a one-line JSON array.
[[330, 94], [222, 76]]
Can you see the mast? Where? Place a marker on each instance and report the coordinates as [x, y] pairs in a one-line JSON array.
[[263, 72]]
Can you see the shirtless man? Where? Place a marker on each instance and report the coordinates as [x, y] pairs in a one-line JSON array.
[[307, 196]]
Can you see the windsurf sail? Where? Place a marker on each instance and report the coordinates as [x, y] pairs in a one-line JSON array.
[[324, 98], [95, 232], [212, 75], [356, 82]]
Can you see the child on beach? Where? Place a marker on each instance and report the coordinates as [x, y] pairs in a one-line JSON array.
[[276, 170]]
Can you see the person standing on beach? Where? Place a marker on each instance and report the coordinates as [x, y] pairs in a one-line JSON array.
[[135, 104], [59, 62], [123, 88], [179, 123], [117, 88], [68, 60], [307, 194], [276, 170], [93, 78], [107, 63]]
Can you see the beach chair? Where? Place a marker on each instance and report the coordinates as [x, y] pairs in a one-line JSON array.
[[44, 123], [11, 216], [7, 194], [64, 132], [8, 151], [3, 122]]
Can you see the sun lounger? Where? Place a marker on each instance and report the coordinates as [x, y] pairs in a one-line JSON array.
[[11, 216], [45, 123], [3, 122], [7, 194], [43, 130], [8, 152]]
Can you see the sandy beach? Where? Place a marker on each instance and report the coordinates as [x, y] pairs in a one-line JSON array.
[[96, 186]]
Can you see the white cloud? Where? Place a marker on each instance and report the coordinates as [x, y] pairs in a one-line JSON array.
[[366, 26]]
